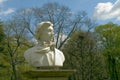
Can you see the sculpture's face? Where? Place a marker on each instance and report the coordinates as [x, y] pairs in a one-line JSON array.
[[47, 34], [44, 32], [48, 31]]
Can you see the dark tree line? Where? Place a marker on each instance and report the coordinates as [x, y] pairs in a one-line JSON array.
[[82, 54]]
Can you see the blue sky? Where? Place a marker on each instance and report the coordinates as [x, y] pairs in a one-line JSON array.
[[101, 10]]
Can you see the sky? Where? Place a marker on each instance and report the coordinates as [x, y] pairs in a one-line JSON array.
[[102, 11]]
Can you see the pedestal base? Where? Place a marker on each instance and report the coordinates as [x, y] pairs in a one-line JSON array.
[[49, 74]]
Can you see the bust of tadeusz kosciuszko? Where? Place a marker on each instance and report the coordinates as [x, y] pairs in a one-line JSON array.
[[44, 53]]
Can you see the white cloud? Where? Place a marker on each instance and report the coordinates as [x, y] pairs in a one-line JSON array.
[[107, 10], [1, 2], [6, 12]]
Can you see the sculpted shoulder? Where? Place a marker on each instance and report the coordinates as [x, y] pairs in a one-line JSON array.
[[30, 49]]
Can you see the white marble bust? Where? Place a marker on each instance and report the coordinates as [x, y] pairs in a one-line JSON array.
[[44, 54]]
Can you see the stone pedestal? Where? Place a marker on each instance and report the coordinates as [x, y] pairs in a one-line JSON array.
[[49, 74]]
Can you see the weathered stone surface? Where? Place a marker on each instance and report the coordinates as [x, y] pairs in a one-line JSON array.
[[49, 74]]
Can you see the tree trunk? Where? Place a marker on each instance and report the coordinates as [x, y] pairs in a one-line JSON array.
[[14, 69]]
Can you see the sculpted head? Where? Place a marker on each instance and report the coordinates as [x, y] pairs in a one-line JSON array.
[[44, 31]]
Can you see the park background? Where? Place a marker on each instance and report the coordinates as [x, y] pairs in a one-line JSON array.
[[87, 31]]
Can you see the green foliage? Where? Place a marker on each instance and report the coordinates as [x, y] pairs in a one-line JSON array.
[[80, 50], [2, 35], [80, 54], [11, 58], [109, 36]]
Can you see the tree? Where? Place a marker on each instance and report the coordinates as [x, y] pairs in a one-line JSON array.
[[20, 29], [81, 54], [108, 37], [16, 44], [2, 35], [3, 62], [61, 16]]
